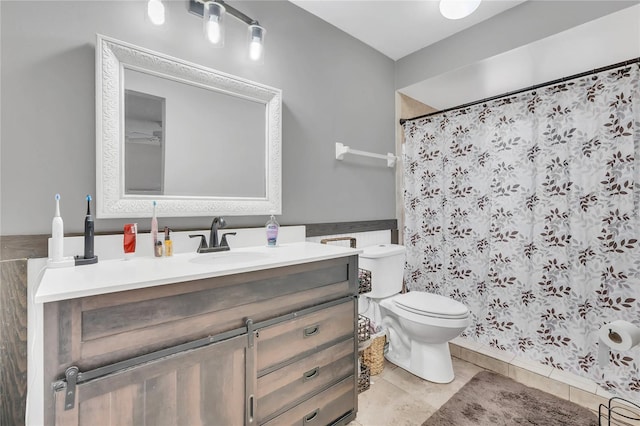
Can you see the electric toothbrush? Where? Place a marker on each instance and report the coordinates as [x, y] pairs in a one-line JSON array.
[[88, 231], [154, 226], [56, 243], [57, 234]]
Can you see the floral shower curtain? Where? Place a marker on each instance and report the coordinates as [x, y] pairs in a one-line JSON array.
[[527, 209]]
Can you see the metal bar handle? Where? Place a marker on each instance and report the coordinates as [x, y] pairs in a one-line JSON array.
[[251, 404], [352, 240]]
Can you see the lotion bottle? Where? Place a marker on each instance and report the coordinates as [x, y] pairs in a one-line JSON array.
[[168, 244], [57, 234], [272, 232]]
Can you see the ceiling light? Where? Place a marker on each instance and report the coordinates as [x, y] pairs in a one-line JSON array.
[[155, 11], [458, 9]]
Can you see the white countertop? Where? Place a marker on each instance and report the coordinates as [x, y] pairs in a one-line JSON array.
[[110, 276]]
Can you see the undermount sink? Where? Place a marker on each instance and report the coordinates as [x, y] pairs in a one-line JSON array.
[[230, 257]]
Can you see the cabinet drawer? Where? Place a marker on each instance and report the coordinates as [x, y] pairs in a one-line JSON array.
[[303, 378], [281, 342], [322, 409]]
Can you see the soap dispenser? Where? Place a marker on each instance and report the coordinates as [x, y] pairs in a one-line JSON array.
[[272, 228]]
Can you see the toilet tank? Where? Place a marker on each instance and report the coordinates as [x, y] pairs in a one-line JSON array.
[[386, 263]]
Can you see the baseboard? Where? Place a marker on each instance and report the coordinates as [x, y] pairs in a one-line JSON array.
[[569, 386]]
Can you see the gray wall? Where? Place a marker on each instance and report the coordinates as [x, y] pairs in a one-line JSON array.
[[335, 89]]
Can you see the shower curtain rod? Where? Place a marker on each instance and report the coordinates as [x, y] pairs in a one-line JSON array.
[[537, 86]]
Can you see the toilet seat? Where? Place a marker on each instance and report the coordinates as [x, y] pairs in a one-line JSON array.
[[431, 305]]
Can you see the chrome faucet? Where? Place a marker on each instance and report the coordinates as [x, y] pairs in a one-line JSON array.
[[218, 223]]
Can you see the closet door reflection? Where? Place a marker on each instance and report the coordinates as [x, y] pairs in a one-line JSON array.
[[144, 117]]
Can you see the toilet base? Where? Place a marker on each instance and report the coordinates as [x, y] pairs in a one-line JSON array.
[[430, 362]]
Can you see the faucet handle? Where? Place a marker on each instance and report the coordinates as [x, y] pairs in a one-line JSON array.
[[224, 242], [203, 241]]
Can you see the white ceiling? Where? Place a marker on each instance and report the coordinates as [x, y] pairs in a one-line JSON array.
[[398, 28]]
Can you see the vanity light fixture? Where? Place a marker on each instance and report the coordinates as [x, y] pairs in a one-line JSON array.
[[155, 11], [458, 9], [213, 13]]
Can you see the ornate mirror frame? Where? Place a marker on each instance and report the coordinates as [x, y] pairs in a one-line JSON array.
[[111, 201]]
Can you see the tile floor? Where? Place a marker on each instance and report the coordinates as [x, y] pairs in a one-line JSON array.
[[398, 398]]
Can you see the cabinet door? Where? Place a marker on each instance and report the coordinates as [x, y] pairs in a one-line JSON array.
[[204, 386]]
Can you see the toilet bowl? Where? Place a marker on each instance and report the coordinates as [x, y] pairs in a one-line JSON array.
[[419, 325], [418, 338]]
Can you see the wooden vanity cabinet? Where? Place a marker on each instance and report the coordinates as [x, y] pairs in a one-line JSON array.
[[253, 348]]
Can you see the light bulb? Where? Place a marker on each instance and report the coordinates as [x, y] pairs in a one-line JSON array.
[[214, 32], [458, 9], [155, 11], [255, 50]]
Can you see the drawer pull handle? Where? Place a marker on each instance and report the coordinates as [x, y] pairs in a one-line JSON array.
[[311, 416], [251, 410], [312, 330], [311, 374]]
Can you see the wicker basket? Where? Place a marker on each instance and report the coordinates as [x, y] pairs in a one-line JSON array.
[[363, 328], [364, 379], [364, 281], [373, 356]]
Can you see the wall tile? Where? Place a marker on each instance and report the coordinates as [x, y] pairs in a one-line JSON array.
[[496, 353], [574, 380], [586, 399], [454, 350], [485, 361], [537, 381], [533, 366]]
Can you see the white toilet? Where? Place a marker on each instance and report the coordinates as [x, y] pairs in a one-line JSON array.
[[419, 324]]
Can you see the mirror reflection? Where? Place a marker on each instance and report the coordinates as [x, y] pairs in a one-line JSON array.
[[182, 139]]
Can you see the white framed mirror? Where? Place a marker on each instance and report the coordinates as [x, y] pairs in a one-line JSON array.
[[198, 141]]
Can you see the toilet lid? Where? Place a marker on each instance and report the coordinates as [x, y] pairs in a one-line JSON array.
[[430, 304]]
